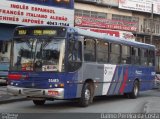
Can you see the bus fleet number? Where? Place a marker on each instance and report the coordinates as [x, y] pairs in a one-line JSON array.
[[53, 80]]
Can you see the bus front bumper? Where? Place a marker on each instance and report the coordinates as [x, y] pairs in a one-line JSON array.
[[55, 93]]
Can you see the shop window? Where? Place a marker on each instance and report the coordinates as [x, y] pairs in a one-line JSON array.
[[78, 12], [6, 47], [157, 28], [3, 47], [157, 63], [101, 15], [124, 18], [92, 14], [86, 13], [1, 44]]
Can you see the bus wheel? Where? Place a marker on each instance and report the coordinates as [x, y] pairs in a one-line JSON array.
[[135, 90], [86, 95], [39, 102]]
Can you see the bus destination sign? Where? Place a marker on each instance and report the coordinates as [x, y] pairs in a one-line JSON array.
[[45, 32], [37, 32], [56, 32]]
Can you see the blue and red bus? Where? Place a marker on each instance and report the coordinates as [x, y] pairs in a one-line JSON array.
[[51, 62]]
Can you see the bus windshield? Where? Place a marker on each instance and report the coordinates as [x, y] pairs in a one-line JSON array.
[[38, 54]]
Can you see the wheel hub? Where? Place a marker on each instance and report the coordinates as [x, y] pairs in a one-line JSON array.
[[87, 94], [136, 90]]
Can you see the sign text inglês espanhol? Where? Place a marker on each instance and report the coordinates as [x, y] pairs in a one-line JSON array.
[[32, 14]]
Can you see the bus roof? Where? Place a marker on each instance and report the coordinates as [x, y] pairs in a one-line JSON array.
[[113, 39], [99, 36]]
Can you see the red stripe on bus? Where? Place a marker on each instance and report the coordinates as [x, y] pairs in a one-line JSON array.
[[124, 82]]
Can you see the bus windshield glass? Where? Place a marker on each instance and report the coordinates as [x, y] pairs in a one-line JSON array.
[[38, 54]]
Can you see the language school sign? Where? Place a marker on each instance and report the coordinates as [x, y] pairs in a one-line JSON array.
[[105, 23], [31, 14]]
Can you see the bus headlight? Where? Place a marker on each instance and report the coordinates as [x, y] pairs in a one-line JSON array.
[[56, 85]]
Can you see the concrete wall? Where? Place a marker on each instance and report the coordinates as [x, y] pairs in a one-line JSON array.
[[104, 9]]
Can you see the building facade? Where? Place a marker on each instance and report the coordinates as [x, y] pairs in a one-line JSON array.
[[15, 13], [131, 19]]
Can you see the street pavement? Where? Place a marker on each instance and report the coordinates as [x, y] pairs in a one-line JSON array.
[[6, 97], [152, 106]]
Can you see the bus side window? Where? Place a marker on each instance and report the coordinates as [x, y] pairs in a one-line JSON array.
[[135, 56], [74, 55], [144, 55], [151, 58], [89, 50], [126, 55], [114, 53], [102, 51]]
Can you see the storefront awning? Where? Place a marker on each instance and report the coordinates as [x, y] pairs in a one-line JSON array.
[[6, 32]]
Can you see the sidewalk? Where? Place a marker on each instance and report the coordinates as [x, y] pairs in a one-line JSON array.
[[6, 97]]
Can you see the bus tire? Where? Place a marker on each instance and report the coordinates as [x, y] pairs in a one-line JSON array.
[[39, 102], [135, 90], [86, 95]]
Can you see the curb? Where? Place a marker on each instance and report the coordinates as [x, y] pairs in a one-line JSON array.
[[13, 100]]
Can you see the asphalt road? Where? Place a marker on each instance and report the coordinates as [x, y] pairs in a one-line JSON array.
[[113, 104]]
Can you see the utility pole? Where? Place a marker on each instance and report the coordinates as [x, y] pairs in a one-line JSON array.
[[151, 33]]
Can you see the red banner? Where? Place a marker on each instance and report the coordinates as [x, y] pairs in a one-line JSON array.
[[105, 23]]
